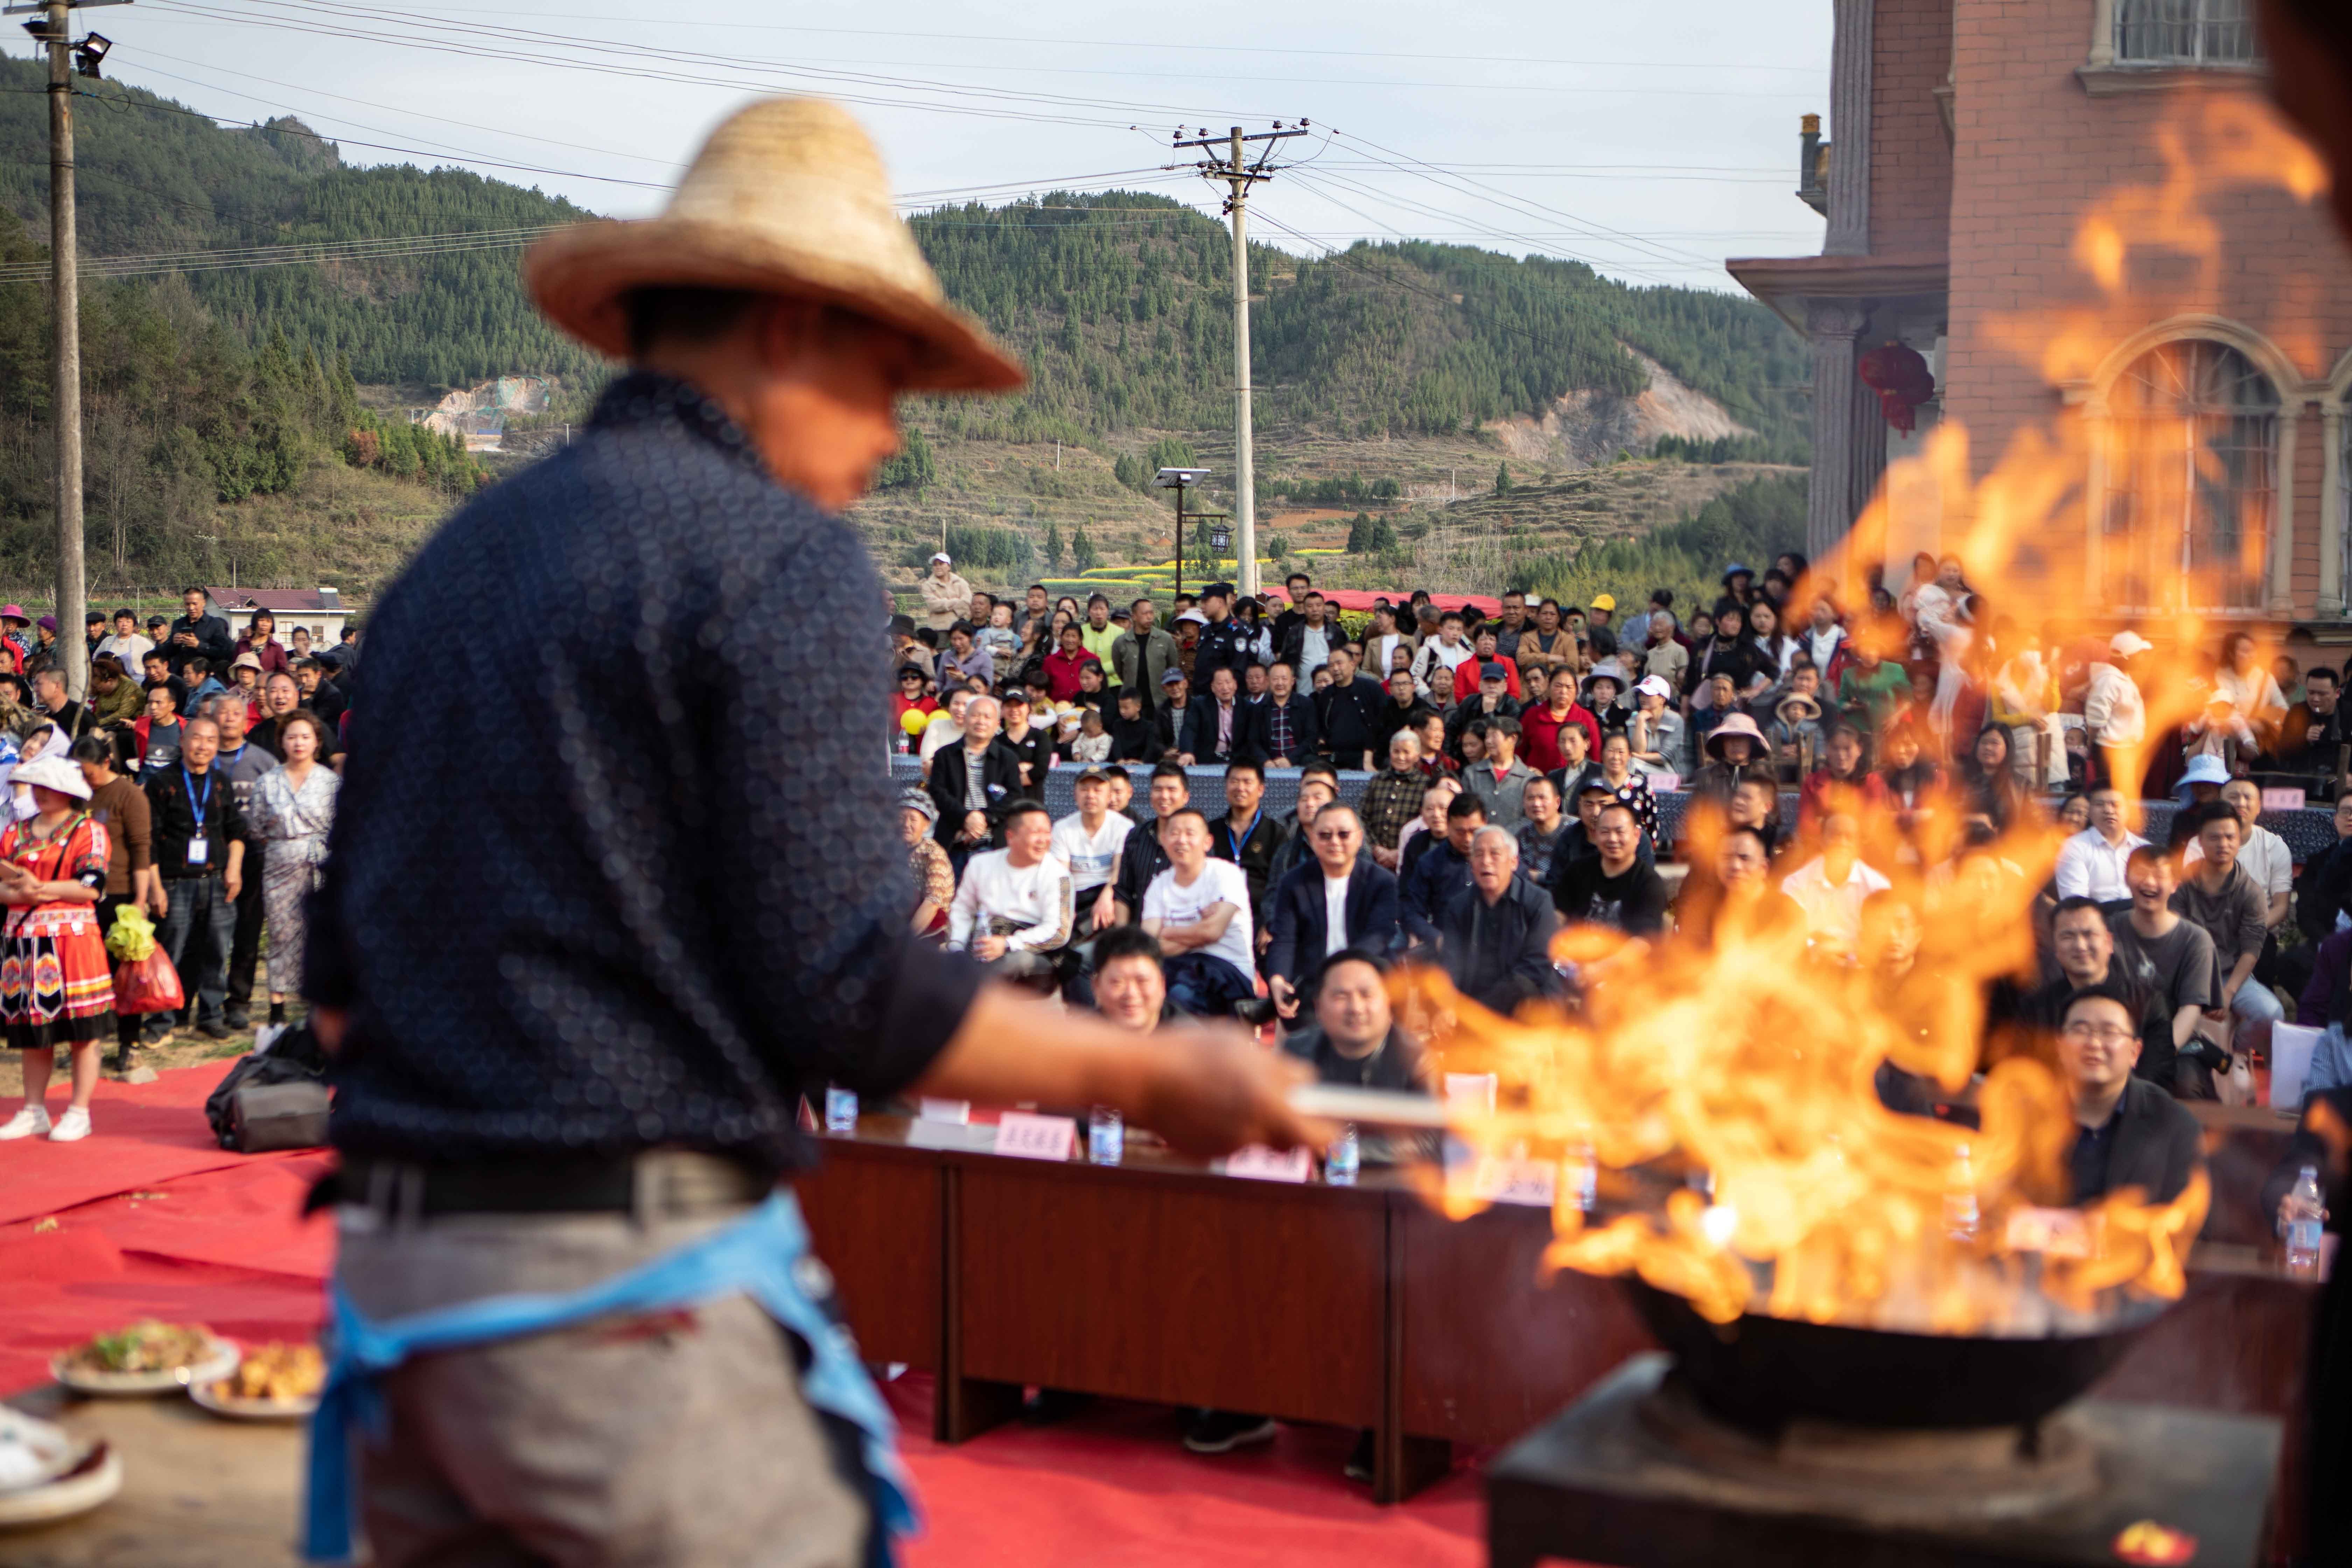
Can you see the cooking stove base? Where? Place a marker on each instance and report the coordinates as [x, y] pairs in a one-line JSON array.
[[1634, 1475]]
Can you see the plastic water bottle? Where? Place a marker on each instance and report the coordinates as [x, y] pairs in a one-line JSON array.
[[840, 1109], [1960, 1213], [2300, 1219], [1340, 1161], [1583, 1177], [1106, 1136]]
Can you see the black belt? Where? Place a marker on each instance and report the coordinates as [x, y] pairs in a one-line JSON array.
[[589, 1184]]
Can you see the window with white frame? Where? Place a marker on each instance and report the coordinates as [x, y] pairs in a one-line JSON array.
[[2184, 32], [2191, 480]]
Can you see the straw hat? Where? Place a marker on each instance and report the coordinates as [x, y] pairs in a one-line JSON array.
[[788, 196], [1737, 724]]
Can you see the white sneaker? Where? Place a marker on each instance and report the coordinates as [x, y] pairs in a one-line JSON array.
[[72, 1126], [25, 1124]]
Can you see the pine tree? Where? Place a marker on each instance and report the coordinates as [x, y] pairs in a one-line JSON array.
[[1082, 550], [1502, 479], [1053, 547]]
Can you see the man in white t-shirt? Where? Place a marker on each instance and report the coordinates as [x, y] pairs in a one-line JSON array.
[[1830, 888], [2263, 853], [1198, 909], [1088, 840], [1013, 909]]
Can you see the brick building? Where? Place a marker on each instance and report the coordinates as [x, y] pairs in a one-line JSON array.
[[1970, 140]]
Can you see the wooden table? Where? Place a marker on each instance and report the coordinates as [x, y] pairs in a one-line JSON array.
[[1160, 1280]]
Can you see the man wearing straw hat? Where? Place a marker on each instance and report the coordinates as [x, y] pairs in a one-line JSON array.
[[575, 1317]]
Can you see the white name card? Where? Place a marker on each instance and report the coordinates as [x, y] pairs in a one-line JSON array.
[[1471, 1094], [2283, 799], [1260, 1163], [958, 1111], [2061, 1233], [1029, 1137], [1533, 1182]]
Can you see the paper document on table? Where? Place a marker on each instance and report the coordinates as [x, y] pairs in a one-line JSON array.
[[1368, 1106]]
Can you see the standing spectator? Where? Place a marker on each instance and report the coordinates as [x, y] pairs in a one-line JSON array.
[[1492, 700], [1346, 715], [1449, 651], [1013, 908], [945, 596], [1443, 871], [965, 658], [1831, 886], [1200, 910], [55, 989], [1226, 643], [200, 839], [1384, 641], [2092, 864], [127, 644], [906, 648], [1065, 663], [1141, 655], [157, 733], [934, 878], [1307, 643], [281, 698], [115, 698], [293, 807], [118, 805], [1035, 610], [2219, 895], [1870, 688], [1100, 636], [1495, 936], [1088, 842], [1500, 780], [1405, 708], [1551, 647], [1328, 902], [259, 639], [1003, 643], [319, 694], [1393, 797], [240, 764], [1840, 784], [197, 672], [1540, 833], [1222, 728], [197, 635], [1614, 886], [1540, 728], [975, 784], [1174, 710], [2115, 718], [1247, 835]]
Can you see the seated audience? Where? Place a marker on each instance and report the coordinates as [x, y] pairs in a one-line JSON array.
[[1247, 834], [1327, 905], [1441, 871], [1198, 909], [1830, 888], [1612, 886], [2172, 962], [1088, 840], [2218, 894], [2129, 1133], [1130, 989], [1013, 909], [2091, 864]]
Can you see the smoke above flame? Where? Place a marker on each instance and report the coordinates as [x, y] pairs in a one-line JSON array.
[[1724, 1092]]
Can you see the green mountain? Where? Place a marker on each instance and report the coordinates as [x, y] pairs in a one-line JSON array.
[[1119, 301]]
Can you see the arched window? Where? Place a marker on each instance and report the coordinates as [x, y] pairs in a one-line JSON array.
[[2192, 430], [2184, 32]]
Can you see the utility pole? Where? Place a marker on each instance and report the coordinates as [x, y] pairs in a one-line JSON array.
[[53, 29], [1238, 176]]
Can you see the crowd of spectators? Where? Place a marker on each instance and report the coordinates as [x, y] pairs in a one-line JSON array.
[[213, 799], [1505, 779]]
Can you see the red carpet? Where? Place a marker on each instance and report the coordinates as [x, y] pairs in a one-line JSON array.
[[148, 1218]]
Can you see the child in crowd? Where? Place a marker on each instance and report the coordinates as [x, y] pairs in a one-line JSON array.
[[1093, 745]]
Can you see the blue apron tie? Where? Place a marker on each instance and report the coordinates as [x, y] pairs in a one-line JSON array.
[[755, 1256]]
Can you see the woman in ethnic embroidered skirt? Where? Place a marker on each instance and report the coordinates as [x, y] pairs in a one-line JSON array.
[[55, 987]]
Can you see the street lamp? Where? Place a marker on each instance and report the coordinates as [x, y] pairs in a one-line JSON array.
[[1180, 480]]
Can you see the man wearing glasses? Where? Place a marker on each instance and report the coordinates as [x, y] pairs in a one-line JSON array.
[[1328, 905], [2133, 1134]]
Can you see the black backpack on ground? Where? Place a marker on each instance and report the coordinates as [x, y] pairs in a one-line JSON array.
[[274, 1098]]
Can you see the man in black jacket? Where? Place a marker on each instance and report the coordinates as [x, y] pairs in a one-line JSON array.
[[1347, 715], [1226, 643], [1142, 857], [1299, 913], [1222, 729], [2129, 1133], [973, 783], [1032, 746], [1247, 834], [196, 635], [1401, 710], [1495, 936], [1175, 702]]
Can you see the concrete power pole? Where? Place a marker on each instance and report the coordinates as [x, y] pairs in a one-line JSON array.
[[1239, 176], [54, 30]]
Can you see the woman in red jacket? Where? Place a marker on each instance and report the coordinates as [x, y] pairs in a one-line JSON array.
[[1539, 727]]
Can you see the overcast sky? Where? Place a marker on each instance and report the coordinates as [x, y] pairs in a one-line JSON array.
[[1651, 140]]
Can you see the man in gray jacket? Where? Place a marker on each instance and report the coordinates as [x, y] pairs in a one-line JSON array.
[[1495, 936], [1142, 655]]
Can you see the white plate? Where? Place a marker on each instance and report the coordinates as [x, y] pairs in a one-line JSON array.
[[51, 1450], [216, 1364], [99, 1477], [213, 1397]]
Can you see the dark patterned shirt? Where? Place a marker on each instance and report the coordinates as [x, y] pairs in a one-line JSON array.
[[644, 889]]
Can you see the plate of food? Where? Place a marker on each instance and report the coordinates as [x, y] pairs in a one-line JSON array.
[[146, 1358], [274, 1382]]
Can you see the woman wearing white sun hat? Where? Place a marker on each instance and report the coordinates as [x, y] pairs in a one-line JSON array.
[[55, 985]]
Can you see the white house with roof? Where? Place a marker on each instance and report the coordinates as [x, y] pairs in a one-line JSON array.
[[320, 609]]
